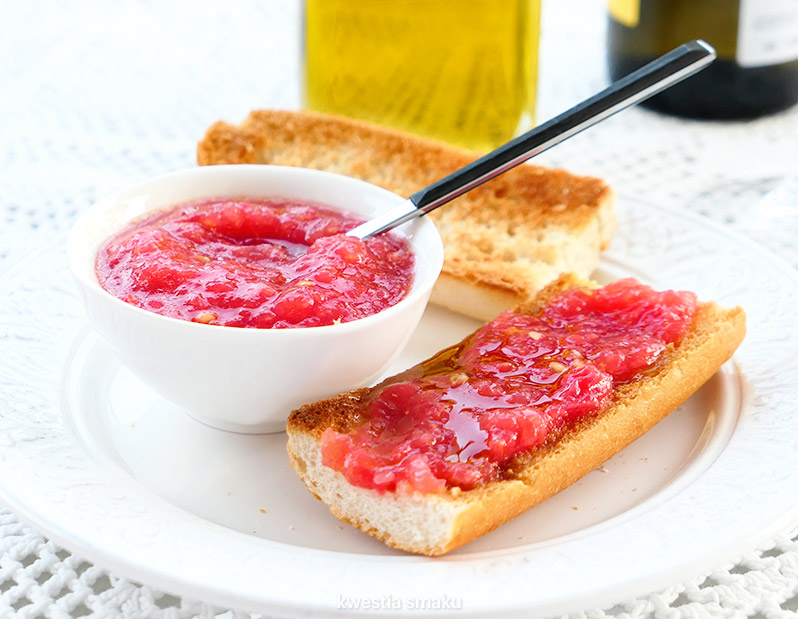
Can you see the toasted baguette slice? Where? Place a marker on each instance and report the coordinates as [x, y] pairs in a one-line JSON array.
[[504, 240], [433, 524]]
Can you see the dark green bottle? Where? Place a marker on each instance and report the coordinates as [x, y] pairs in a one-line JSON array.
[[756, 72]]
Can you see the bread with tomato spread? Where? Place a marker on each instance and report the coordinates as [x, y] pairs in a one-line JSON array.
[[504, 240], [433, 523]]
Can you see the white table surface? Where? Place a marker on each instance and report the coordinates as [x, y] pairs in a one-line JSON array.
[[96, 95]]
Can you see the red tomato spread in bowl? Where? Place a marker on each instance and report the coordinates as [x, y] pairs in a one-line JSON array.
[[459, 418], [254, 263]]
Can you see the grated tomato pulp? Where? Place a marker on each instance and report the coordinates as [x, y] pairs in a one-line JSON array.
[[255, 263], [457, 419]]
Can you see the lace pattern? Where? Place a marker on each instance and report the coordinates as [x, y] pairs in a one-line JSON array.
[[99, 96]]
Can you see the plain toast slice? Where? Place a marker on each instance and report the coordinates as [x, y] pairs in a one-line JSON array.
[[504, 240]]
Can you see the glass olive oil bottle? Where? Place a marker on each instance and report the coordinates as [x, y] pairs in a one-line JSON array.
[[462, 71], [757, 42]]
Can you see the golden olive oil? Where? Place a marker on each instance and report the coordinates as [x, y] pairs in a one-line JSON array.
[[461, 71]]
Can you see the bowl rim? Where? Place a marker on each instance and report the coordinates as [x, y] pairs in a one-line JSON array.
[[75, 253]]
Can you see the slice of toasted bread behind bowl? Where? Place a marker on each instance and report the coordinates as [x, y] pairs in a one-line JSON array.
[[433, 524], [504, 240]]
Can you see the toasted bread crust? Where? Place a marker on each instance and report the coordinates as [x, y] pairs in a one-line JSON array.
[[504, 240], [532, 478]]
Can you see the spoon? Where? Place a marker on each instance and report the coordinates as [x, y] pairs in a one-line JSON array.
[[647, 81]]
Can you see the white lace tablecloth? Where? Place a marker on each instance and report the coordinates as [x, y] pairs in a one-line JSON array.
[[96, 95]]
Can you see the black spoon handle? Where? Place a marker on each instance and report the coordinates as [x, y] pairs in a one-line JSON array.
[[634, 88], [647, 81]]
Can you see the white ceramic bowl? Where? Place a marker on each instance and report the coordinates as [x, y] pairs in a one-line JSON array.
[[240, 379]]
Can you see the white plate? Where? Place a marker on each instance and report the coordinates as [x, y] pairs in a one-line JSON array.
[[92, 458]]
